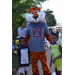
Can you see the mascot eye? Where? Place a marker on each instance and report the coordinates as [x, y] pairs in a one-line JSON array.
[[37, 10], [32, 12]]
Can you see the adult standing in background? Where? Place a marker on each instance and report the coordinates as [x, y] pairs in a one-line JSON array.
[[22, 30]]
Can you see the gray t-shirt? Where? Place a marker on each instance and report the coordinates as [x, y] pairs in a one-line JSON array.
[[37, 33]]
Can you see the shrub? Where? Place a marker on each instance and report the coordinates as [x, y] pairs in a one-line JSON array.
[[12, 41], [14, 36]]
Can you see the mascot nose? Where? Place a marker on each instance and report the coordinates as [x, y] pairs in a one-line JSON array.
[[36, 17]]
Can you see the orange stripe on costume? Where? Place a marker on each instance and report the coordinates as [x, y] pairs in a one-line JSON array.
[[27, 39], [48, 37], [33, 9], [35, 56]]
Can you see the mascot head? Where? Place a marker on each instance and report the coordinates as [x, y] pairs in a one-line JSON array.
[[35, 14]]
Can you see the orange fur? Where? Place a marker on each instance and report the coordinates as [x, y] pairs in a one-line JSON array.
[[33, 9], [34, 60], [38, 55], [26, 39], [48, 37]]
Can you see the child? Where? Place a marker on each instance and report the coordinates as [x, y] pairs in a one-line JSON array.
[[56, 54], [23, 56]]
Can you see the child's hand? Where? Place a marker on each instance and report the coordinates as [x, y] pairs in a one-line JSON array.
[[54, 60]]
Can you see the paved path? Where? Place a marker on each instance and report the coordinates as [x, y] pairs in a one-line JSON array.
[[39, 64]]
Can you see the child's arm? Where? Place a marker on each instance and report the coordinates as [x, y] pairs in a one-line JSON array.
[[51, 59], [60, 56], [51, 62], [18, 58], [18, 61]]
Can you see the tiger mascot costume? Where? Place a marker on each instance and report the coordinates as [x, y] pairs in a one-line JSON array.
[[36, 32]]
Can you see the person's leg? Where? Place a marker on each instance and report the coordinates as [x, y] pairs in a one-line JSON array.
[[43, 59], [58, 73], [26, 69], [21, 70], [59, 69], [34, 61], [56, 70], [25, 72], [21, 73]]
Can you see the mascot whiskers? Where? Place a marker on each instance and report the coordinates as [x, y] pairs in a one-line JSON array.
[[36, 32]]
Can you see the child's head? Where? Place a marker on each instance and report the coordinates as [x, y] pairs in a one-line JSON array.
[[54, 38], [22, 41]]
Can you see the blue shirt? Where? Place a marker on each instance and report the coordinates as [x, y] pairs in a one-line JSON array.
[[37, 32], [13, 47]]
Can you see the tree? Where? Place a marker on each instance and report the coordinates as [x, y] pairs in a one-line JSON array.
[[51, 18], [20, 8]]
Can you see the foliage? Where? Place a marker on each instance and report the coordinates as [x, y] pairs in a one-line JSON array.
[[57, 24], [14, 61], [20, 8], [51, 18], [12, 41], [14, 36]]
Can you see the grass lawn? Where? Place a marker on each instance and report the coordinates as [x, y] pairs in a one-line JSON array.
[[14, 61]]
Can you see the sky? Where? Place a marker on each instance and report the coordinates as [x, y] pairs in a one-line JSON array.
[[56, 7]]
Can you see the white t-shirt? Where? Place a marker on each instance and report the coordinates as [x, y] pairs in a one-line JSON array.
[[21, 32]]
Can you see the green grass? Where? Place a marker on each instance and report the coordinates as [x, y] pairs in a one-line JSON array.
[[14, 61]]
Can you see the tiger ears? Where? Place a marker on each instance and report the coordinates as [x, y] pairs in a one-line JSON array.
[[33, 9]]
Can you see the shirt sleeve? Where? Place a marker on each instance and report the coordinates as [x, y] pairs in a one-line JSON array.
[[18, 52], [46, 31], [27, 31]]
